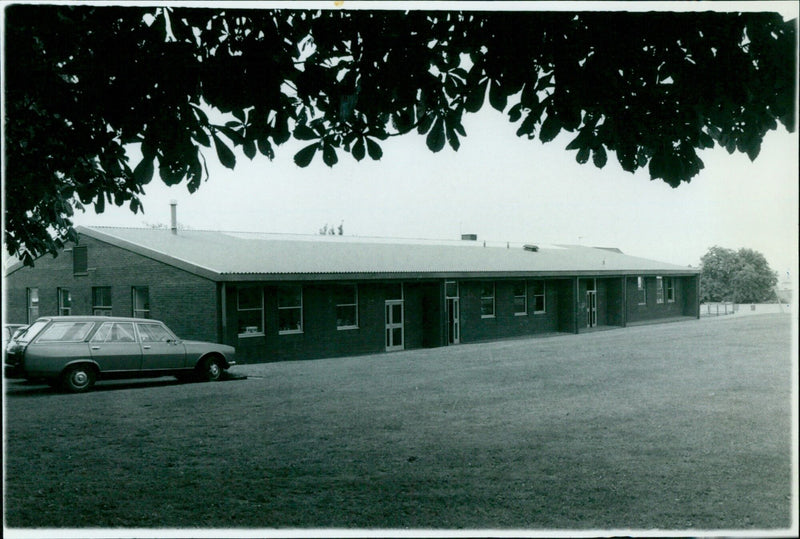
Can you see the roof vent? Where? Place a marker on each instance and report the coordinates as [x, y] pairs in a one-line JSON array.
[[469, 237], [531, 248]]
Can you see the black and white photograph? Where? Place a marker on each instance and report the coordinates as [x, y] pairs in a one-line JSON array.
[[407, 269]]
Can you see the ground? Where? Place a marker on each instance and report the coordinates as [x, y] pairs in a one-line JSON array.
[[675, 426]]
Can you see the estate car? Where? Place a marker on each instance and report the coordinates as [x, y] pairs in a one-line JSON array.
[[74, 351]]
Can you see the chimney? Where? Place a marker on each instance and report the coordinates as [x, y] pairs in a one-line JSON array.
[[469, 237], [173, 221]]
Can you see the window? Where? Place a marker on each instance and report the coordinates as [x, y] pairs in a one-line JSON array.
[[66, 332], [487, 300], [641, 291], [101, 300], [80, 260], [346, 297], [538, 297], [670, 289], [141, 301], [64, 302], [33, 304], [154, 333], [290, 309], [250, 303], [659, 289], [115, 332], [520, 298]]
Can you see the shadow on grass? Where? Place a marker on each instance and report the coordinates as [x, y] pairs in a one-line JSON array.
[[32, 388]]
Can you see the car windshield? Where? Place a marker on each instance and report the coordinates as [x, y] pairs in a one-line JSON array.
[[31, 331]]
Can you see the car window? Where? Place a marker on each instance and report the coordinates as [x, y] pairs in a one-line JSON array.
[[65, 332], [154, 333], [31, 331], [115, 332]]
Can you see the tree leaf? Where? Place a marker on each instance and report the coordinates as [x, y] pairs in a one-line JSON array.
[[266, 148], [249, 148], [359, 149], [304, 156], [435, 139], [329, 155], [143, 173], [550, 128], [497, 96], [599, 156], [224, 153], [475, 96], [583, 155], [374, 149], [303, 132]]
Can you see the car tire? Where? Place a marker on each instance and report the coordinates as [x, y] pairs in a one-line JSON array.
[[78, 378], [210, 369]]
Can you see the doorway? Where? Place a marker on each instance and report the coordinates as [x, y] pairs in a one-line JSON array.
[[394, 325], [591, 303], [453, 312]]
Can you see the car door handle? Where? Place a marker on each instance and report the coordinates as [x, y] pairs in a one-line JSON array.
[[95, 348], [146, 346]]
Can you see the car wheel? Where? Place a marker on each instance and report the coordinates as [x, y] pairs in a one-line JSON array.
[[210, 369], [78, 378]]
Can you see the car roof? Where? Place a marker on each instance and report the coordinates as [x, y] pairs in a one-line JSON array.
[[91, 318]]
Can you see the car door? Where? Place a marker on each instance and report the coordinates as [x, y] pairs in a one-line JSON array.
[[160, 348], [114, 347]]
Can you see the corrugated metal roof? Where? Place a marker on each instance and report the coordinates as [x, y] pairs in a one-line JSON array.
[[239, 256]]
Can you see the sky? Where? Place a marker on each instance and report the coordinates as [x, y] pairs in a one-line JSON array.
[[504, 189]]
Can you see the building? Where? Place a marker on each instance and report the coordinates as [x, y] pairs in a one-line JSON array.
[[301, 297]]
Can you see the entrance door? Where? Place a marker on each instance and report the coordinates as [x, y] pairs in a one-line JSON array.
[[591, 304], [394, 325], [453, 324], [452, 303]]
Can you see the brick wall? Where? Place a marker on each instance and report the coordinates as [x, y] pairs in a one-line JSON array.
[[185, 302]]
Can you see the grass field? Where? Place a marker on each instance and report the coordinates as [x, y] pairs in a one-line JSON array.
[[674, 426]]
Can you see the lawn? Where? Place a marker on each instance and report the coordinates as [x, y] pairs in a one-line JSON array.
[[674, 426]]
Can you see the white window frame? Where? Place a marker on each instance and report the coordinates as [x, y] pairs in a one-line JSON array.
[[670, 289], [134, 307], [354, 305], [287, 307], [260, 308], [32, 301], [543, 296], [492, 297], [659, 289], [524, 297], [62, 310], [103, 310], [641, 290]]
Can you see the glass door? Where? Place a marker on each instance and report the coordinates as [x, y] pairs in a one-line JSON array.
[[394, 325], [591, 303], [452, 302]]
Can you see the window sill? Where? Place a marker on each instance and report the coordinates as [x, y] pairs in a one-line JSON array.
[[539, 312], [345, 328], [520, 314], [487, 316], [291, 332], [248, 335]]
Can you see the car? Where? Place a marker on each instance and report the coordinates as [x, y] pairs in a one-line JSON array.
[[10, 331], [75, 351]]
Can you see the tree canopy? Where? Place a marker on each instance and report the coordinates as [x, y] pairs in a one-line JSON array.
[[84, 84], [742, 276]]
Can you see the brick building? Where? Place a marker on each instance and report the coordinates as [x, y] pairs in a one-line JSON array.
[[300, 297]]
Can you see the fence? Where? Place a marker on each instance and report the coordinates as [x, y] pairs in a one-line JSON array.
[[718, 309]]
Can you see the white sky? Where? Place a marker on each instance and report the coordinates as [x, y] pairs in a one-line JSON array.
[[504, 188]]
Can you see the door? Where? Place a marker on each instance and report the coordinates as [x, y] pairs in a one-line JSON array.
[[160, 348], [394, 325], [114, 347], [453, 323], [591, 304]]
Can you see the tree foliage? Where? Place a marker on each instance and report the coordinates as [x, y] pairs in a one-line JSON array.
[[84, 83], [742, 276]]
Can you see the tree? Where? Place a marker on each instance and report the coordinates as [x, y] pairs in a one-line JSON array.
[[742, 276], [332, 231], [85, 84]]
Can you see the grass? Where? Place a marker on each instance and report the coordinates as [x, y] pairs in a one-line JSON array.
[[675, 426]]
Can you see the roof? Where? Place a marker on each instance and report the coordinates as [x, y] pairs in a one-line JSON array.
[[239, 256]]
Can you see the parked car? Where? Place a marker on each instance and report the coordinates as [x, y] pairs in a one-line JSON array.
[[74, 351], [9, 331]]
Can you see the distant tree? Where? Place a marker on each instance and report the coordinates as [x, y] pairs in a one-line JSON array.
[[742, 276], [85, 83], [332, 230]]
